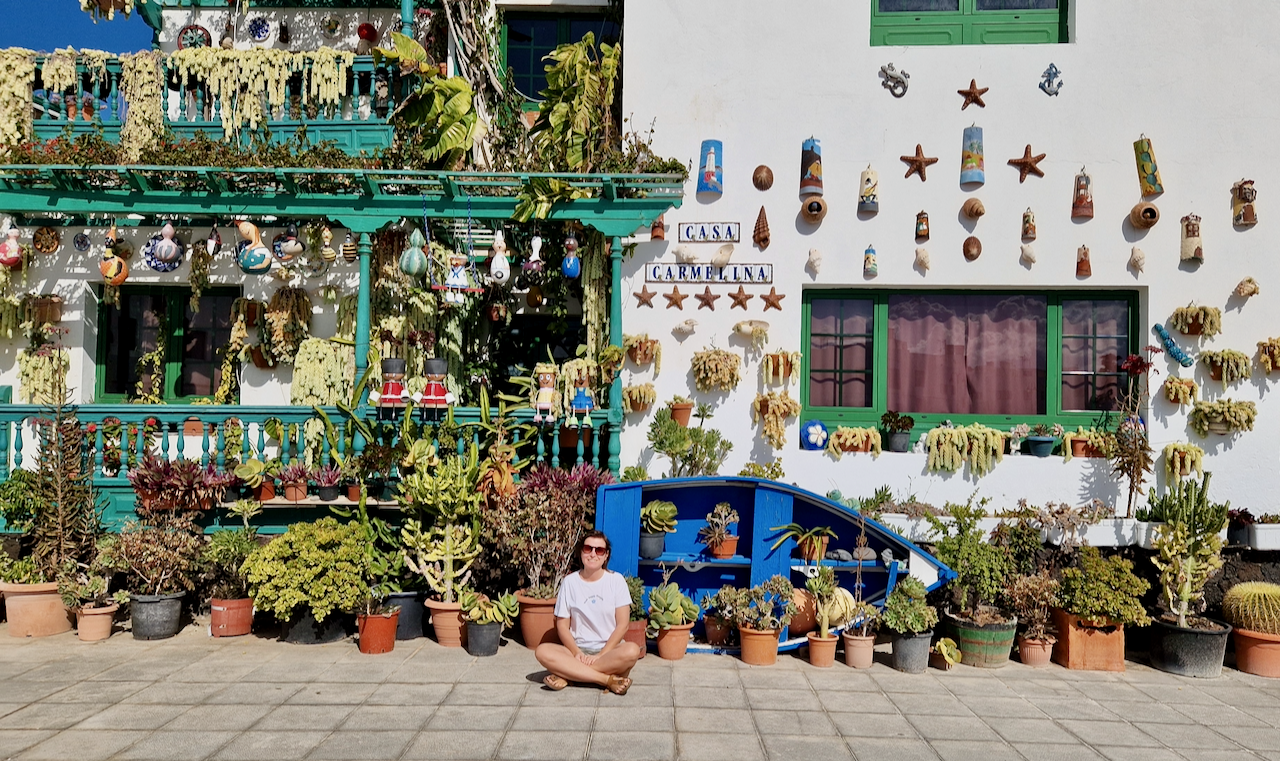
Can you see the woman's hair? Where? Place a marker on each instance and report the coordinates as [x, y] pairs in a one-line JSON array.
[[577, 556]]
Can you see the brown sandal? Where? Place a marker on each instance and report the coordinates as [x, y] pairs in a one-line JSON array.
[[554, 682], [618, 685]]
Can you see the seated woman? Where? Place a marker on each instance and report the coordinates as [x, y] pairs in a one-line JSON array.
[[593, 609]]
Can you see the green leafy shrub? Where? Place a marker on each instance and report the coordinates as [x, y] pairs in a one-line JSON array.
[[981, 568], [321, 566], [906, 610], [1103, 590]]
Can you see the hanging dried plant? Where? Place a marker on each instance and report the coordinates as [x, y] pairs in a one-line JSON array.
[[774, 409], [716, 369]]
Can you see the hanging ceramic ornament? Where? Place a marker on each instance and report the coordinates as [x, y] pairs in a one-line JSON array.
[[922, 225], [499, 267], [761, 234], [1137, 259], [213, 243], [1082, 201], [658, 230], [46, 240], [972, 248], [368, 34], [283, 35], [972, 169], [81, 242], [812, 208], [291, 246], [1144, 215], [1243, 195], [711, 178], [571, 265], [534, 297], [869, 196], [922, 259], [114, 269], [870, 268], [814, 262], [534, 264], [166, 250], [413, 261], [1083, 267], [1148, 172], [721, 257], [350, 251], [762, 177], [973, 208], [253, 257], [893, 80], [1028, 255], [813, 435], [327, 253], [1247, 287], [1192, 249], [228, 40], [11, 248], [1028, 224]]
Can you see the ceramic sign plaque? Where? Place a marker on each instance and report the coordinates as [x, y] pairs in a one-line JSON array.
[[660, 272], [710, 232], [711, 178], [971, 157]]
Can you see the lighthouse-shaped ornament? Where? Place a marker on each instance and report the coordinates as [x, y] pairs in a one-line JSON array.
[[972, 168], [1082, 201], [711, 176], [869, 266]]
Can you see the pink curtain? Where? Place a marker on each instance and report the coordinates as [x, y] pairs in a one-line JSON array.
[[967, 354]]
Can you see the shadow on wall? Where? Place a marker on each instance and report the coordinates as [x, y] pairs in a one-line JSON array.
[[1100, 483]]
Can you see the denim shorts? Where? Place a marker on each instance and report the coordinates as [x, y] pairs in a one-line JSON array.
[[590, 650]]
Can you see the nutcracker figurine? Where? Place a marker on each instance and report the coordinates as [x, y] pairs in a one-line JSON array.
[[435, 400], [391, 399], [543, 396]]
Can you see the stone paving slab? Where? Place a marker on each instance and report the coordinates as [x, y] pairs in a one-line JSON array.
[[192, 698]]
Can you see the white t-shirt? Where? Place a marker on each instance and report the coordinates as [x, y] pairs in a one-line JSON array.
[[592, 607]]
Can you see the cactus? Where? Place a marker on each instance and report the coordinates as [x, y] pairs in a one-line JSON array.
[[669, 607], [1188, 548], [1189, 504], [658, 517], [825, 597], [1253, 605], [442, 555]]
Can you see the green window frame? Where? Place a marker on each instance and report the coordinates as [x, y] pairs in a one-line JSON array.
[[175, 303], [968, 22], [529, 54], [878, 364]]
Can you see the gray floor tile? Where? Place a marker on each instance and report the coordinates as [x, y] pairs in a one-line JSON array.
[[781, 680], [327, 693], [437, 745], [90, 692], [967, 750], [176, 693], [694, 746], [408, 694], [1180, 736], [1073, 708], [709, 697], [51, 715], [543, 746], [403, 717], [359, 672], [610, 719], [922, 704], [987, 686], [1137, 753], [229, 717], [808, 747], [714, 720], [1029, 730], [855, 725], [418, 672], [82, 745], [1146, 711], [132, 716], [933, 728], [14, 741], [486, 694], [567, 718], [1056, 752], [808, 723], [177, 746], [841, 680], [490, 718], [1220, 716], [367, 745], [1253, 738], [1109, 733], [275, 745], [585, 696], [632, 746], [891, 749], [706, 678], [857, 702], [287, 717], [253, 693], [1006, 707], [21, 691], [797, 700]]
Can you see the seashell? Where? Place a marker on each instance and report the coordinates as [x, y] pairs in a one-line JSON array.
[[1028, 254], [1083, 267], [922, 258], [1144, 215], [685, 328], [814, 209], [761, 235], [815, 260], [1247, 287], [747, 328], [685, 255], [722, 255], [1137, 259], [972, 248], [973, 208], [762, 177]]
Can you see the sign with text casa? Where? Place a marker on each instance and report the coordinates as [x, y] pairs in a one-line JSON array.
[[730, 274], [710, 232]]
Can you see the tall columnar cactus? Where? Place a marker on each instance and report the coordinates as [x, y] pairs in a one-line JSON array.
[[1188, 503], [1189, 550], [1253, 605], [442, 555]]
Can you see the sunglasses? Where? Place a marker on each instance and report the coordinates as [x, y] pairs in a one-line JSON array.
[[590, 549]]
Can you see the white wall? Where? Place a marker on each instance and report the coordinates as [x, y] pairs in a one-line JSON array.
[[763, 76], [304, 26]]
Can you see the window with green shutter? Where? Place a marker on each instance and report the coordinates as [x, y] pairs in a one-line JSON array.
[[968, 22], [528, 37]]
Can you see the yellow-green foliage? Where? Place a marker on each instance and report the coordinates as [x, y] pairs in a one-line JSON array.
[[1181, 390], [1233, 365], [321, 565], [322, 374], [1180, 458], [644, 350], [42, 374], [17, 77], [142, 87], [978, 444], [844, 439], [1253, 605], [642, 395], [1269, 354], [716, 369], [774, 363], [1238, 416], [1210, 319], [778, 408], [1102, 441]]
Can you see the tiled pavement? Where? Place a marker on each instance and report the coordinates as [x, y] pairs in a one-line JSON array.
[[249, 698]]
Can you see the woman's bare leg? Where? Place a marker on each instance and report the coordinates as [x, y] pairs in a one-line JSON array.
[[618, 661], [557, 659]]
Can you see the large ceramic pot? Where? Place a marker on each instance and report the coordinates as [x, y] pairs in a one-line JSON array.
[[911, 652], [822, 650], [483, 639], [982, 646], [35, 610], [304, 629], [94, 624], [537, 620], [759, 646], [377, 632], [636, 636], [804, 617], [718, 631], [230, 618], [673, 642], [411, 613], [1187, 651], [448, 623], [1087, 647], [859, 652], [156, 616], [1258, 653], [1035, 652]]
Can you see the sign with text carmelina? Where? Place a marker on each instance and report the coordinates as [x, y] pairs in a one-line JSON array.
[[730, 274]]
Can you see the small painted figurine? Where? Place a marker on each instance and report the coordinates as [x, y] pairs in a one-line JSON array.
[[869, 198], [327, 252], [391, 398], [1192, 249], [254, 258], [583, 401], [291, 246], [11, 249], [535, 255], [571, 265], [1082, 202], [499, 267], [922, 225], [213, 243], [869, 266], [1028, 224], [435, 399], [1083, 267], [1243, 194], [458, 282], [543, 396]]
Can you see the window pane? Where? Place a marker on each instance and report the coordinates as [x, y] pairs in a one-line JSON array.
[[205, 331], [1112, 318], [128, 332], [1110, 352], [825, 316], [855, 390], [824, 353], [911, 6], [1077, 318], [857, 315], [846, 347], [528, 40], [822, 389], [1076, 355], [1017, 5], [1106, 321], [855, 354], [1107, 390], [605, 31]]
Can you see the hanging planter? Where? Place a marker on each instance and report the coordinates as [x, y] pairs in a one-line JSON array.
[[716, 370], [643, 350], [844, 439], [1181, 390], [780, 366], [1222, 417], [1197, 321], [639, 398], [1227, 365]]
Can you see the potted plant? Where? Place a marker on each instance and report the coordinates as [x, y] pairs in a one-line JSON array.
[[716, 370], [1269, 354], [985, 631], [907, 614], [826, 596], [443, 555], [160, 556], [377, 624], [844, 439], [715, 534], [640, 397], [259, 475], [672, 615], [1096, 599], [1180, 458], [720, 613], [697, 451], [32, 603], [88, 593], [294, 478], [898, 427], [779, 367], [1188, 554], [1222, 417], [949, 447], [763, 612], [657, 519], [328, 482], [1031, 598], [681, 409], [1195, 321], [1253, 608], [945, 654], [643, 350], [859, 635], [1181, 390], [1087, 443], [486, 618], [811, 542], [231, 608], [1227, 365], [639, 620], [774, 408], [1041, 438]]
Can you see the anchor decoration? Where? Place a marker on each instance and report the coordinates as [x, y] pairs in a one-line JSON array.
[[1051, 84], [893, 80], [252, 255]]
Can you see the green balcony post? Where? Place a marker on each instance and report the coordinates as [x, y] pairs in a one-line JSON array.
[[406, 17], [615, 338], [365, 248]]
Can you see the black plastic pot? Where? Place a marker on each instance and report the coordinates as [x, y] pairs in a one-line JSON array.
[[1189, 652], [900, 441], [303, 629], [329, 493], [411, 614], [911, 652], [156, 616], [652, 545], [483, 639]]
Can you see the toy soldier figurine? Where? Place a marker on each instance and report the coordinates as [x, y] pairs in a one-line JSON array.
[[391, 399], [543, 395], [435, 398], [583, 401]]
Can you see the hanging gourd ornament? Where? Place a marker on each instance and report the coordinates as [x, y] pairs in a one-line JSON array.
[[213, 243], [327, 253], [413, 262], [11, 249], [571, 265], [499, 266], [167, 250], [114, 269], [535, 258], [291, 246], [349, 250], [534, 297], [252, 256]]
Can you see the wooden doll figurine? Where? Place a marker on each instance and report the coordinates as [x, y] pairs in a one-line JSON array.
[[543, 394], [583, 401], [391, 397], [435, 399]]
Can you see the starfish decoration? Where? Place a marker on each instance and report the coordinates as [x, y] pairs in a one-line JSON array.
[[973, 94], [916, 164], [1027, 164], [675, 298], [740, 299], [774, 299], [707, 299], [644, 297]]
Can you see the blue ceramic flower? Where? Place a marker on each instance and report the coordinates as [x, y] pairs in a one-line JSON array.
[[813, 435]]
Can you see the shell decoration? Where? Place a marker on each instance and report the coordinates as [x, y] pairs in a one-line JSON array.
[[972, 248], [722, 255], [747, 328], [815, 260], [1247, 287], [1028, 254], [762, 177], [685, 328], [973, 208], [761, 234], [685, 255], [1137, 259], [922, 259]]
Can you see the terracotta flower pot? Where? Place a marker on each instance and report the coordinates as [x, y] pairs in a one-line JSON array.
[[265, 490], [718, 631], [638, 406], [1035, 652], [680, 412], [1088, 648], [537, 620], [194, 427], [1194, 328], [805, 617], [296, 491], [230, 618], [1258, 653], [642, 354], [822, 650], [353, 492], [448, 623], [725, 549], [378, 632], [569, 439], [1215, 371], [94, 624], [759, 647], [35, 610], [635, 635], [813, 552], [673, 642], [1082, 448], [859, 652], [261, 360]]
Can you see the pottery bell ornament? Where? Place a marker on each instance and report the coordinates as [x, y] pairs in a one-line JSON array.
[[499, 266], [253, 258], [1082, 201], [1028, 224], [534, 264], [922, 225], [11, 249], [1148, 171], [1083, 267], [350, 252], [658, 230], [711, 178], [1192, 250], [571, 265], [869, 195], [870, 268], [291, 246], [1243, 195], [972, 157], [327, 252], [812, 207], [167, 249], [413, 260]]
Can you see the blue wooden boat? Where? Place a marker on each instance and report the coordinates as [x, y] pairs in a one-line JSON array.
[[762, 506]]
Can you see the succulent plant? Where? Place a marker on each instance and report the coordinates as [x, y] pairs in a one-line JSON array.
[[481, 609], [658, 517], [1253, 605], [669, 607]]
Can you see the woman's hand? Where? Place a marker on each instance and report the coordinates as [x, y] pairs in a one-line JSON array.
[[588, 659]]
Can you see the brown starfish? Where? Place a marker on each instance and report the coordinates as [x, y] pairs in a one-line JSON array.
[[773, 299], [1027, 164], [675, 298], [973, 94], [707, 299], [644, 297], [740, 299], [916, 164]]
